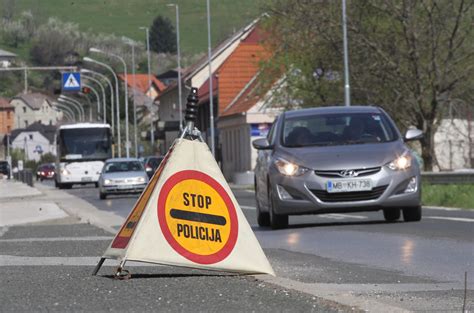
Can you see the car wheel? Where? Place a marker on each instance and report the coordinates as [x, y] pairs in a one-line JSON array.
[[102, 195], [263, 218], [277, 221], [391, 215], [412, 214]]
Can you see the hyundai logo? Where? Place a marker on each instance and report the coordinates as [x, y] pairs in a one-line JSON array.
[[348, 173]]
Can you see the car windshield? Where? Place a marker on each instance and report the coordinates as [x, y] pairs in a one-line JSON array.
[[337, 129], [124, 166]]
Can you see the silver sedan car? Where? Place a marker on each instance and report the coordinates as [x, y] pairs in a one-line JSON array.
[[122, 175], [334, 160]]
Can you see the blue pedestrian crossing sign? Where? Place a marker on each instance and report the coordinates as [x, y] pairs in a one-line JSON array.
[[71, 81]]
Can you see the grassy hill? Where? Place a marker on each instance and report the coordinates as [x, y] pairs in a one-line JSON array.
[[124, 17]]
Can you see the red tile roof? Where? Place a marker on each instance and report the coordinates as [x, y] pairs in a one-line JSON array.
[[203, 92], [240, 67], [141, 82], [248, 97]]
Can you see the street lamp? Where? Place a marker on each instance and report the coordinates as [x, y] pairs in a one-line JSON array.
[[179, 65], [65, 109], [96, 95], [152, 130], [132, 44], [74, 103], [347, 88], [104, 109], [116, 97], [77, 106], [127, 146], [211, 105], [87, 71]]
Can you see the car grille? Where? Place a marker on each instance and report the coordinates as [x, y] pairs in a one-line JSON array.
[[325, 196], [339, 173]]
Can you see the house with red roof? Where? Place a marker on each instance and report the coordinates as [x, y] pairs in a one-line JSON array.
[[144, 92], [197, 76]]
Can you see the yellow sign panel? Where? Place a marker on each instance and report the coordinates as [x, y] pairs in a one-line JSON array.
[[197, 217]]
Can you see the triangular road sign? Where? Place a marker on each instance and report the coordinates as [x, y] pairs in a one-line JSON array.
[[71, 82], [187, 216]]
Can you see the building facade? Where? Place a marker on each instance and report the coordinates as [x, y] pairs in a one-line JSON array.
[[7, 116], [34, 107]]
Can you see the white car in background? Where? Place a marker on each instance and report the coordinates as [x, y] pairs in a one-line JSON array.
[[122, 176]]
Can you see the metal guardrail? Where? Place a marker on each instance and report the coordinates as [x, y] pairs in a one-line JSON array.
[[444, 178]]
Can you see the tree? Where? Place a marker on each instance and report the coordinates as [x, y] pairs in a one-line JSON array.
[[54, 42], [8, 9], [162, 36], [412, 57]]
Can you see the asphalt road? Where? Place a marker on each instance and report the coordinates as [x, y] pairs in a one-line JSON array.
[[354, 259]]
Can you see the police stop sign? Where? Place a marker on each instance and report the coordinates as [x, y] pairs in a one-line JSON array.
[[197, 217]]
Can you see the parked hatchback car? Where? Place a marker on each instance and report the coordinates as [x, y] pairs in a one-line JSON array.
[[122, 176], [151, 164], [333, 160]]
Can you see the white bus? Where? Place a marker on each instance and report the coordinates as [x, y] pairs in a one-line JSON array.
[[81, 151]]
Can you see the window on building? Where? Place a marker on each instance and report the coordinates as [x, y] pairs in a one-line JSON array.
[[31, 136], [26, 124], [24, 109], [9, 115]]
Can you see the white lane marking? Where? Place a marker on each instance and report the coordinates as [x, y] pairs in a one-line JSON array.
[[441, 208], [11, 260], [454, 219], [91, 238], [332, 215], [246, 207]]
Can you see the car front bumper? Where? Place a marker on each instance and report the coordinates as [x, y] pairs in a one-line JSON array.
[[308, 193], [118, 189]]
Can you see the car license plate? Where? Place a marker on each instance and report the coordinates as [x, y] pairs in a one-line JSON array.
[[123, 186], [86, 179], [349, 185]]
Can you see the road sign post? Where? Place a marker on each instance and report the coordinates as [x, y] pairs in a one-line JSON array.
[[71, 81]]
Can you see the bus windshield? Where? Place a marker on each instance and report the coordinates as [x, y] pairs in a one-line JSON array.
[[84, 144]]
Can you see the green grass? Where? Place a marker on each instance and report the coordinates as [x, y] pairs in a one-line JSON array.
[[124, 17], [458, 196]]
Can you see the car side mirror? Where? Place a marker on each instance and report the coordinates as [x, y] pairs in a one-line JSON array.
[[262, 144], [413, 134]]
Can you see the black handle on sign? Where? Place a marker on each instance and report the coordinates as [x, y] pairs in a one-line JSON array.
[[191, 106]]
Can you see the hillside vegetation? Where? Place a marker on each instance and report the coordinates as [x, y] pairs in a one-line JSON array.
[[124, 17]]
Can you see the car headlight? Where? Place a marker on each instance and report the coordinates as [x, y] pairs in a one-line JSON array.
[[288, 168], [141, 179], [401, 163], [65, 172], [107, 181]]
